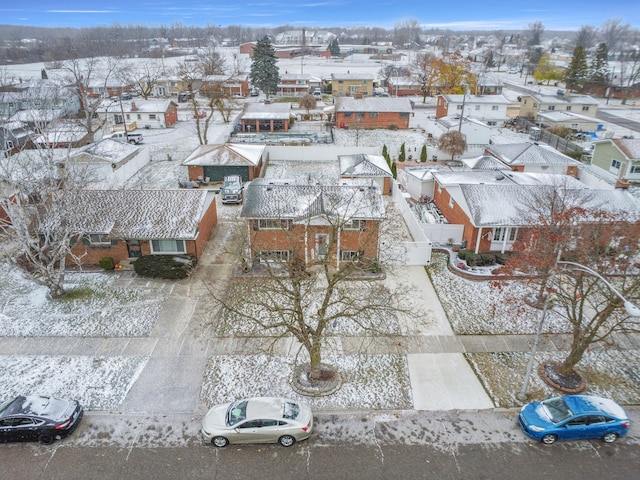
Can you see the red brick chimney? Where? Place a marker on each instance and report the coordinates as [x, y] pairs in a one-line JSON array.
[[134, 108]]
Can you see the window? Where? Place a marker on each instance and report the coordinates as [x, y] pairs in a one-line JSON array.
[[552, 107], [499, 234], [404, 114], [348, 114], [492, 123], [634, 169], [360, 114], [351, 255], [168, 246], [373, 114], [273, 255], [585, 108], [494, 108], [271, 224], [139, 117], [458, 107], [615, 165], [568, 108], [99, 239], [535, 105], [353, 89], [152, 116], [354, 225], [477, 107], [8, 145]]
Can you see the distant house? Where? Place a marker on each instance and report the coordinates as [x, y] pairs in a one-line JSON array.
[[491, 109], [492, 205], [533, 103], [372, 169], [124, 224], [312, 222], [229, 85], [294, 85], [573, 121], [217, 161], [373, 112], [404, 86], [261, 117], [534, 157], [62, 134], [618, 159], [352, 84], [147, 114], [14, 136]]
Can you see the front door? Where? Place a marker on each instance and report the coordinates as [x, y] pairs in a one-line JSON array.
[[133, 247], [322, 245]]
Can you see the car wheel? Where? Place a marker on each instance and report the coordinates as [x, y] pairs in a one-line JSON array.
[[219, 442], [610, 437], [286, 440], [45, 439], [549, 438]]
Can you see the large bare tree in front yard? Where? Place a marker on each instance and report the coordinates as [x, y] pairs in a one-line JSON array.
[[598, 232], [317, 298]]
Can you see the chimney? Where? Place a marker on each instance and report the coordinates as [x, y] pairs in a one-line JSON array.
[[134, 108], [622, 184]]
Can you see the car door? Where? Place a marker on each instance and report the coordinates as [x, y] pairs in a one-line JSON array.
[[598, 425], [7, 430], [249, 431], [576, 428]]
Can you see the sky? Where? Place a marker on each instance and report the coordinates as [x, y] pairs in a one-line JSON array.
[[463, 15]]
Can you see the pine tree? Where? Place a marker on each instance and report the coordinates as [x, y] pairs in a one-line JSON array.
[[402, 155], [423, 153], [264, 69], [394, 170], [334, 48], [599, 71], [385, 154], [578, 69]]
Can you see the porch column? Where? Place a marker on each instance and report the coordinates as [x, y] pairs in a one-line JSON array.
[[271, 126], [504, 241], [257, 126], [478, 240]]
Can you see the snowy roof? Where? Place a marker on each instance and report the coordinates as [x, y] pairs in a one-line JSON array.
[[106, 150], [141, 214], [530, 153], [373, 104], [559, 116], [451, 121], [546, 99], [352, 76], [630, 147], [269, 111], [226, 154], [423, 173], [303, 202], [508, 204], [138, 105], [484, 162], [364, 165], [473, 99]]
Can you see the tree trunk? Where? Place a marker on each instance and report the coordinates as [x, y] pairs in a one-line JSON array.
[[575, 355], [315, 363]]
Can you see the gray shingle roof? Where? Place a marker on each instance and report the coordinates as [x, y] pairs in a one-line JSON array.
[[530, 154], [226, 154], [364, 165], [303, 202], [140, 214]]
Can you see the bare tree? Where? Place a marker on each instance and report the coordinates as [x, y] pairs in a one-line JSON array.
[[422, 69], [337, 293], [142, 77], [586, 37], [452, 142], [307, 102], [613, 32]]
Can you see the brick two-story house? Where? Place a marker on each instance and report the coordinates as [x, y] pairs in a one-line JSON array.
[[312, 222]]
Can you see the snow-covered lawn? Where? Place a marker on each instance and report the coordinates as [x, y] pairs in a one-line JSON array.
[[95, 307], [99, 383], [378, 382]]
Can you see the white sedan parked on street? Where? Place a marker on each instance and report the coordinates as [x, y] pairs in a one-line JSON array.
[[258, 420]]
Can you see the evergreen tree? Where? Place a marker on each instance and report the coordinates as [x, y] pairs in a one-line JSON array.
[[402, 155], [578, 69], [334, 48], [423, 153], [385, 154], [599, 71], [264, 68], [394, 170]]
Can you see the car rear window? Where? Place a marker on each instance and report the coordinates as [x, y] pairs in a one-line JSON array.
[[291, 410]]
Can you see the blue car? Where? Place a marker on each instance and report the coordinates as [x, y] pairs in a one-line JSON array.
[[574, 417]]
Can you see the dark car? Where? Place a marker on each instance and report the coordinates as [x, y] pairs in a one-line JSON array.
[[38, 418], [574, 417]]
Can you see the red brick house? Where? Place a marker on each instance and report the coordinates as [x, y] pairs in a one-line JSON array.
[[294, 85], [217, 161], [492, 205], [373, 112], [230, 86], [124, 224], [312, 222]]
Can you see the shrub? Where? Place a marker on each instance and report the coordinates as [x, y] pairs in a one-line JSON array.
[[473, 259], [393, 127], [107, 263], [488, 258], [501, 258], [164, 266], [462, 254]]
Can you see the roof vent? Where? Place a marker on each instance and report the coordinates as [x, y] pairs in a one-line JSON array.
[[499, 176]]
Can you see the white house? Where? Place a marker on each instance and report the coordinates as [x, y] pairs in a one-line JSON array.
[[491, 109]]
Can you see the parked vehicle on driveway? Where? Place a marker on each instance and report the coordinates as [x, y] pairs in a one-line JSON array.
[[45, 419], [258, 420], [232, 189], [574, 417], [133, 138]]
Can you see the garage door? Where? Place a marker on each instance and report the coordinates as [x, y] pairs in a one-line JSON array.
[[217, 173]]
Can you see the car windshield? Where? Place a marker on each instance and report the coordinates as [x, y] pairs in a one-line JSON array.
[[291, 410], [230, 184], [237, 412], [557, 409]]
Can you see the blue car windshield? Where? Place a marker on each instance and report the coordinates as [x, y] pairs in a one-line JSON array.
[[557, 409]]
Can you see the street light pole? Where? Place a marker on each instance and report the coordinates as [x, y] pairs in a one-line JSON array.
[[630, 308]]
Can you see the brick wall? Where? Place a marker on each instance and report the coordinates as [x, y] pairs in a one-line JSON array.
[[383, 120]]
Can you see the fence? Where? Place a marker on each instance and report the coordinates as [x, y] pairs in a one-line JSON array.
[[417, 252], [561, 144]]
